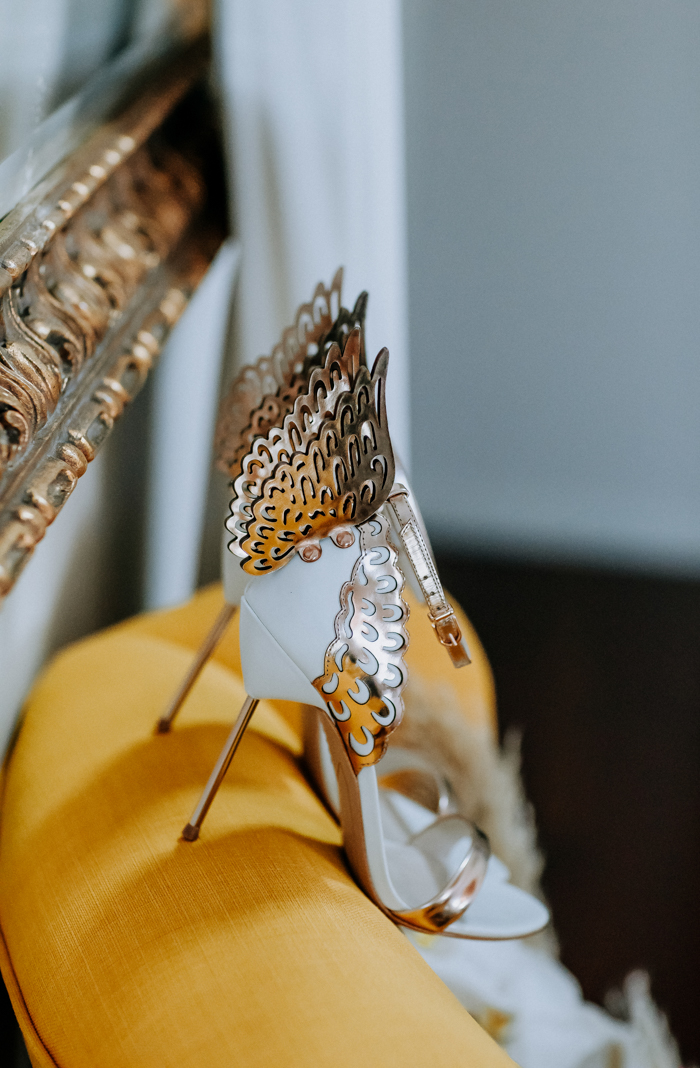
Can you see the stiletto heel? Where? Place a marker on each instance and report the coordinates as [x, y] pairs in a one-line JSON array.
[[234, 582], [191, 831], [203, 653], [323, 621]]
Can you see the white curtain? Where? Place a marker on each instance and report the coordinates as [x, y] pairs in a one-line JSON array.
[[313, 98], [183, 413]]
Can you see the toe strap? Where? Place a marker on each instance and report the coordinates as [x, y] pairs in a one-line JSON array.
[[435, 915]]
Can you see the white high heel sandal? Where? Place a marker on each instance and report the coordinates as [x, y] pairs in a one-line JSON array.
[[315, 491]]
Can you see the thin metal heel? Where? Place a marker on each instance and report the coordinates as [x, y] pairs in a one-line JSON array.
[[203, 653], [191, 831]]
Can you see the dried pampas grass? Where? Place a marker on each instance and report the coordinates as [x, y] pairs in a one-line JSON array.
[[485, 778]]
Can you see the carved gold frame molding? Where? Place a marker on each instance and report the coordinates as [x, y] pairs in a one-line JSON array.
[[96, 266]]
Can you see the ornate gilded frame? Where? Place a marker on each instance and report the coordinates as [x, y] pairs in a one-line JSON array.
[[97, 264]]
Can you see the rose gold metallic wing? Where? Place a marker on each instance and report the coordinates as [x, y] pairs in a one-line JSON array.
[[264, 393], [325, 387], [331, 465], [258, 384]]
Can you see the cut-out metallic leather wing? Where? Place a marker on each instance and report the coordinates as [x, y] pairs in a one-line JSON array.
[[330, 465], [364, 670], [264, 393]]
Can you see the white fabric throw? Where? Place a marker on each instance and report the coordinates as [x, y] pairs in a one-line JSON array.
[[534, 1008]]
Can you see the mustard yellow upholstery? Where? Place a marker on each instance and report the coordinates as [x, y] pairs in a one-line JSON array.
[[124, 947]]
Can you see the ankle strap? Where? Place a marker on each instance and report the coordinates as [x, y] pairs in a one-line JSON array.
[[441, 613]]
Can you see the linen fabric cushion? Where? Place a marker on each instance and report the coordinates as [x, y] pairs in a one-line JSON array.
[[125, 947]]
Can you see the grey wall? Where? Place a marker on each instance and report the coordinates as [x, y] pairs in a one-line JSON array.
[[554, 243]]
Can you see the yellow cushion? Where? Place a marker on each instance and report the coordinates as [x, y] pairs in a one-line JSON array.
[[124, 947]]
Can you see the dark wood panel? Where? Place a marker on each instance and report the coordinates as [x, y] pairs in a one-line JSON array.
[[602, 673]]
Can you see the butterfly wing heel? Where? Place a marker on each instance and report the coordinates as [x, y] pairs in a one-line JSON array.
[[260, 396], [323, 622]]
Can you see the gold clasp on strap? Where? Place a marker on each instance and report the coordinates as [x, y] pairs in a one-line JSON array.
[[447, 629]]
